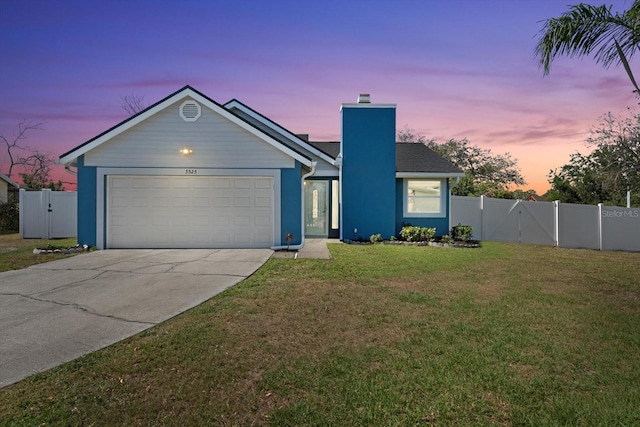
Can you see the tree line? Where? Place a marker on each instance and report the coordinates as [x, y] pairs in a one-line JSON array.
[[604, 175]]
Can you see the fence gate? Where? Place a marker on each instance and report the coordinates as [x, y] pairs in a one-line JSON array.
[[48, 214], [518, 221]]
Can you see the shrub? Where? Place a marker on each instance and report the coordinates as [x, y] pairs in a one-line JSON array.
[[375, 238], [446, 239], [417, 234], [9, 217], [462, 232]]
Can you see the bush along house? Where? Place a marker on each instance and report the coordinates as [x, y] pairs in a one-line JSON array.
[[188, 172]]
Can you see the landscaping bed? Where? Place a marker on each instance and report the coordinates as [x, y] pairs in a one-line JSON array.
[[53, 249]]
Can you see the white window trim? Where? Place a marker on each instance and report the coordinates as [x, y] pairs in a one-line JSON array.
[[405, 199]]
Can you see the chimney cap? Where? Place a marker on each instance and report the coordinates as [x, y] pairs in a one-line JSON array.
[[364, 98]]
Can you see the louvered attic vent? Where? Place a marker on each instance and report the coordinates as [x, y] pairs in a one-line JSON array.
[[190, 111]]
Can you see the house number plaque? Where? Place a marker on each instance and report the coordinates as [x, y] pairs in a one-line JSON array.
[[191, 171]]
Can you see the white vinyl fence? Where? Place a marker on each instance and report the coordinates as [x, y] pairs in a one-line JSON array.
[[48, 214], [565, 225]]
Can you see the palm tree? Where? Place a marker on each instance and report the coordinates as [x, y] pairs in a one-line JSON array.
[[586, 29]]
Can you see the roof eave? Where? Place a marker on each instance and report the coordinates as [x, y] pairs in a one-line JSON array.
[[70, 157], [429, 174], [9, 181], [278, 128]]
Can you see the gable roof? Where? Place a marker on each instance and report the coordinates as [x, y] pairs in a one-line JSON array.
[[276, 130], [186, 92], [411, 160], [9, 181], [330, 148]]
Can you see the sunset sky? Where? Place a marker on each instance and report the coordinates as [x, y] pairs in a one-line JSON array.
[[455, 68]]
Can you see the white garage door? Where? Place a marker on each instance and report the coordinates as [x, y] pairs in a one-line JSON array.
[[189, 212]]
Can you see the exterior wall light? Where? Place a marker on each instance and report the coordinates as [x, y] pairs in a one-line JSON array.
[[186, 151]]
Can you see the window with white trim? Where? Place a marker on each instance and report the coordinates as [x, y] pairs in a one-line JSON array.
[[424, 197]]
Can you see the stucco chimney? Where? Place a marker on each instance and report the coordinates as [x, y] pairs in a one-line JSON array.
[[364, 98]]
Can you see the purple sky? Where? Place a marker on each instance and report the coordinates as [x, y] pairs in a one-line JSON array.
[[455, 68]]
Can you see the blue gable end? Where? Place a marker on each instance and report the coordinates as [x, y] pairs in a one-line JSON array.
[[368, 170], [86, 204]]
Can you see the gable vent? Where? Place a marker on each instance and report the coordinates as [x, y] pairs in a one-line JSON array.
[[190, 111]]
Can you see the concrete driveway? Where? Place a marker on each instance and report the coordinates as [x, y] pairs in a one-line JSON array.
[[55, 312]]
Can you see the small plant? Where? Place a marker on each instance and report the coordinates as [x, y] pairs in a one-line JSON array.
[[393, 238], [9, 217], [417, 234], [376, 238], [289, 238], [446, 239], [462, 232]]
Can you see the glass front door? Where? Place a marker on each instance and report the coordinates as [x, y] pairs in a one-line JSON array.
[[316, 203]]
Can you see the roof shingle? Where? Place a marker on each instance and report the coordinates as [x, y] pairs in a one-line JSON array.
[[410, 157]]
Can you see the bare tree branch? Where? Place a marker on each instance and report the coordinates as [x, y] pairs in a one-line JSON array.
[[133, 103], [15, 144]]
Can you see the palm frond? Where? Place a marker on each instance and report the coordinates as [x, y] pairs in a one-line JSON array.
[[585, 30]]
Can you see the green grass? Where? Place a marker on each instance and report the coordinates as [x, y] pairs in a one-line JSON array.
[[380, 335], [17, 253]]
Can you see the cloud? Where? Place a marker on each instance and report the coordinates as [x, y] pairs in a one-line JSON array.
[[548, 132]]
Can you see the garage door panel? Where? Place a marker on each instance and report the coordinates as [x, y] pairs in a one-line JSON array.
[[200, 222], [224, 220], [186, 212], [181, 202], [222, 238], [159, 202], [222, 202], [263, 238], [262, 221], [201, 202], [222, 183], [242, 202], [263, 183], [242, 183], [263, 202], [242, 220]]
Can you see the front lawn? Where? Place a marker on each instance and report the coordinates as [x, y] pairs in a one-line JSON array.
[[378, 336], [17, 253]]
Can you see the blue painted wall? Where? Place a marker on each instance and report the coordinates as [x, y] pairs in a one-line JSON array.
[[441, 224], [368, 173], [86, 203], [291, 204]]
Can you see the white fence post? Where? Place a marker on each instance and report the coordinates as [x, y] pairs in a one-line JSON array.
[[600, 205], [556, 221], [482, 217], [21, 213]]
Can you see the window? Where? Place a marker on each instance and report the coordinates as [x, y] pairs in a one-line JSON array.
[[424, 197]]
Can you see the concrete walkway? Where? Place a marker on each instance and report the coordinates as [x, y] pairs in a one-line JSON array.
[[316, 248], [55, 312], [312, 249]]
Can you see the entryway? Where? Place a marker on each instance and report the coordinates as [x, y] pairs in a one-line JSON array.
[[321, 208]]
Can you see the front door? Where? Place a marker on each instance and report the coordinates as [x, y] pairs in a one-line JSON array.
[[316, 203]]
